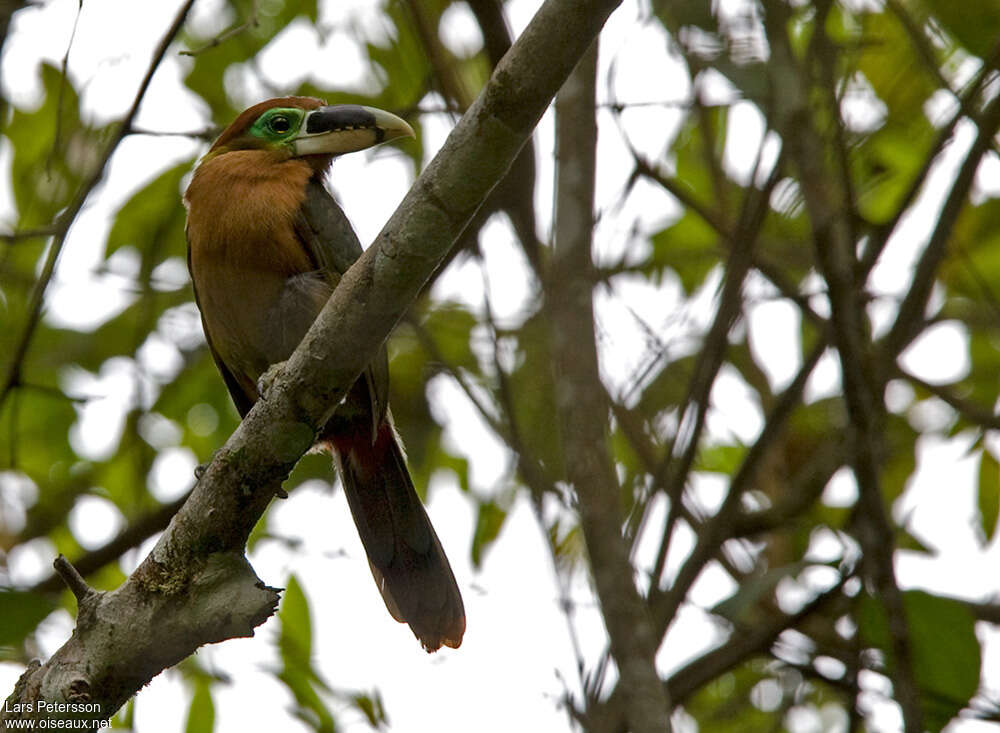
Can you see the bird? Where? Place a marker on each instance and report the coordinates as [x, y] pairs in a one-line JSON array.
[[267, 245]]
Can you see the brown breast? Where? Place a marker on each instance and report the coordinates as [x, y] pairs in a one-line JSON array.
[[244, 253]]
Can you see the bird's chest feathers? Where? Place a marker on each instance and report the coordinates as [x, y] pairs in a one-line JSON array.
[[241, 214], [256, 283]]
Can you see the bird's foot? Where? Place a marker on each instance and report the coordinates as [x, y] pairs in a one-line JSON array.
[[200, 469], [267, 379]]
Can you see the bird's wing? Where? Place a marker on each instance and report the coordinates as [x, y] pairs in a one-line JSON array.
[[330, 240], [325, 231]]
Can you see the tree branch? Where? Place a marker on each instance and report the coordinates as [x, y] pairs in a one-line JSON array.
[[743, 645], [910, 317], [137, 531], [828, 203], [74, 581], [583, 412]]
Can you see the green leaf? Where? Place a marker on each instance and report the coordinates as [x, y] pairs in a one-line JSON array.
[[403, 61], [905, 540], [887, 60], [53, 151], [310, 707], [724, 459], [34, 430], [206, 76], [977, 238], [901, 459], [988, 495], [724, 704], [295, 641], [193, 398], [295, 646], [975, 25], [451, 326], [413, 363], [152, 220], [21, 612], [122, 334], [740, 605], [489, 520], [372, 707], [689, 247], [886, 163], [125, 717], [566, 540], [668, 389], [533, 389], [201, 714], [945, 650]]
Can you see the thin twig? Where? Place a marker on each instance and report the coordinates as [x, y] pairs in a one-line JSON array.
[[713, 532], [752, 215], [910, 315], [251, 22], [12, 237], [972, 412], [966, 105], [440, 109], [57, 136], [73, 579], [205, 134], [741, 646], [137, 531]]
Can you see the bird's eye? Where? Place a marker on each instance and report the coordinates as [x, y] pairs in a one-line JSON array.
[[280, 124]]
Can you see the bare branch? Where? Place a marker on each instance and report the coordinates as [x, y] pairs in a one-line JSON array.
[[583, 411], [137, 531], [63, 81], [12, 237], [966, 105], [911, 311], [827, 198], [73, 580], [250, 22], [974, 413]]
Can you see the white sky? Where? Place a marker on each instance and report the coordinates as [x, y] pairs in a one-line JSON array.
[[516, 661]]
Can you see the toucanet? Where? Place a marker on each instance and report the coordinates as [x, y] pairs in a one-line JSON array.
[[267, 245]]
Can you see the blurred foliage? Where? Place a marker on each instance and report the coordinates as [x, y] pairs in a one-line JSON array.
[[946, 653], [881, 84], [295, 645]]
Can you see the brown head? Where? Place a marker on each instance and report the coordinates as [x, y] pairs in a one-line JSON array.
[[306, 127], [253, 178]]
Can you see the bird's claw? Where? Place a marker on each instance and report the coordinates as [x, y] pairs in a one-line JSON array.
[[200, 469], [267, 379]]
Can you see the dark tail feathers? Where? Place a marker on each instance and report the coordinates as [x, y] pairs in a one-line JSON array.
[[405, 555]]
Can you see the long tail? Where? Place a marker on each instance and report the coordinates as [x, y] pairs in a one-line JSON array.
[[404, 553]]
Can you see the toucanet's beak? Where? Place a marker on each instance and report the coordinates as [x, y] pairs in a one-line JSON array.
[[345, 128]]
